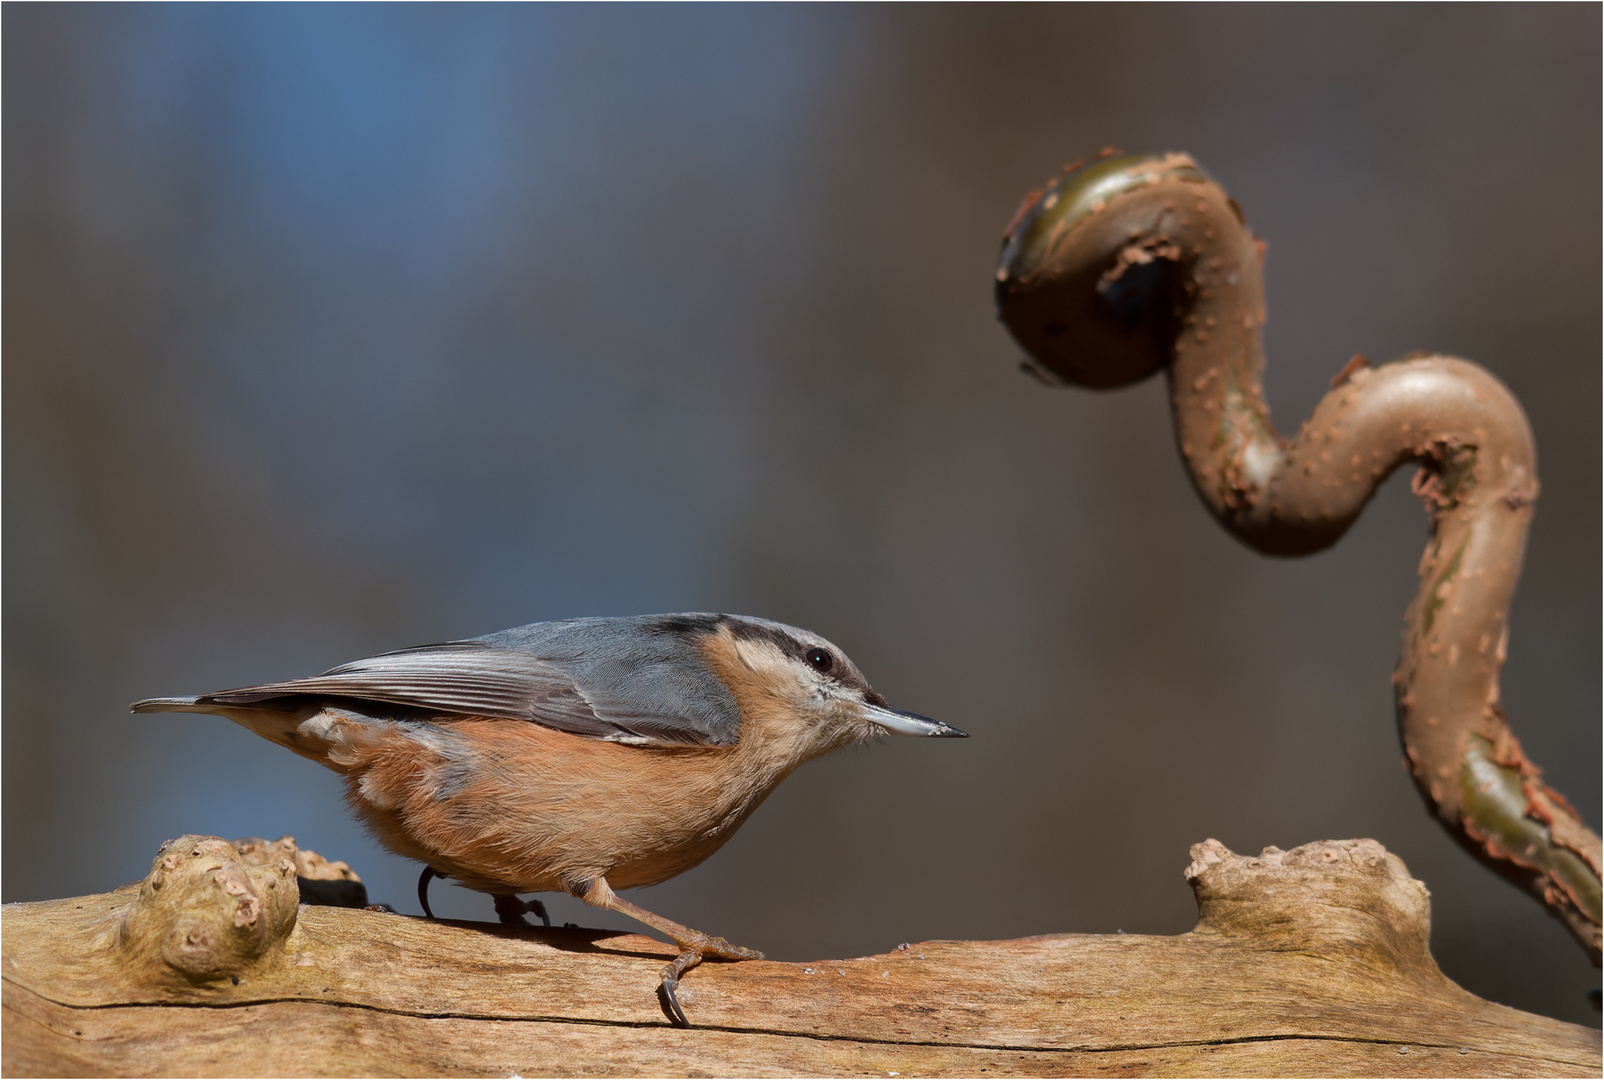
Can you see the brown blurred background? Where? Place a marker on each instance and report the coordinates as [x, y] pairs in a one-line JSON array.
[[330, 330]]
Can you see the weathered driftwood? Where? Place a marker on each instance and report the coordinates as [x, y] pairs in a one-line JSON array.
[[1307, 962], [321, 880]]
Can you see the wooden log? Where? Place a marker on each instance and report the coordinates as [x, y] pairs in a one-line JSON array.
[[1303, 963]]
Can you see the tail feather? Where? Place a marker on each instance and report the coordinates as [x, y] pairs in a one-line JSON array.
[[173, 704], [275, 725], [338, 738]]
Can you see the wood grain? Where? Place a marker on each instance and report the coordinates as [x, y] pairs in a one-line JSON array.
[[1309, 962]]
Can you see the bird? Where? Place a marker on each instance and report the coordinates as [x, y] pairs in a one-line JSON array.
[[582, 756]]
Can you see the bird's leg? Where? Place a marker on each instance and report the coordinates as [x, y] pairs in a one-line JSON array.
[[693, 944], [510, 910], [428, 874]]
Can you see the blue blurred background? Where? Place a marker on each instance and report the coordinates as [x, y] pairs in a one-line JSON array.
[[336, 329]]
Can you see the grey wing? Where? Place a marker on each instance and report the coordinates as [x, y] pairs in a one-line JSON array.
[[473, 678]]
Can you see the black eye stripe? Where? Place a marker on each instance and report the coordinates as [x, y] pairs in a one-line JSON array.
[[819, 659]]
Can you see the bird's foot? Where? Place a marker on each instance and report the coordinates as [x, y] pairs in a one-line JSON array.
[[693, 950], [510, 910], [693, 944], [667, 995], [707, 945]]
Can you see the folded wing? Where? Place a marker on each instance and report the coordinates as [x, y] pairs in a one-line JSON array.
[[475, 678]]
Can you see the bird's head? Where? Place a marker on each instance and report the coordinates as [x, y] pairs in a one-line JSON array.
[[794, 687]]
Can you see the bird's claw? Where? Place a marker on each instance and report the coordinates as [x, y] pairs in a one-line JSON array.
[[670, 1002], [666, 996], [691, 954]]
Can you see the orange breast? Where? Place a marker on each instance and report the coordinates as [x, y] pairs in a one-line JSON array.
[[506, 805]]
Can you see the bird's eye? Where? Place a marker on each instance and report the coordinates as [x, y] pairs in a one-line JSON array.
[[820, 659]]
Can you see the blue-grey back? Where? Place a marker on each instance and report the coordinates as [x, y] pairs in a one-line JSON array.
[[636, 679], [638, 668]]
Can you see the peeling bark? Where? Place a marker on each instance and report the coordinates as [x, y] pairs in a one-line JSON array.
[[1310, 962], [1134, 264]]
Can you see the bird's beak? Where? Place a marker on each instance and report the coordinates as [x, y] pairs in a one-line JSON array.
[[906, 723]]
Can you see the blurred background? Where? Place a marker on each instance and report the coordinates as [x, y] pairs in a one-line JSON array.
[[336, 329]]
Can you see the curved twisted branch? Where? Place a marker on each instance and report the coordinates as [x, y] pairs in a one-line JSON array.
[[1136, 263]]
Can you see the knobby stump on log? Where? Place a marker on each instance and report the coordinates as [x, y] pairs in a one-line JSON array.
[[1307, 962]]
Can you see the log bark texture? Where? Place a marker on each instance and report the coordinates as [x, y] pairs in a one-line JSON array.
[[1311, 962]]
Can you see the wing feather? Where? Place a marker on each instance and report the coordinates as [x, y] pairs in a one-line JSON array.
[[475, 678]]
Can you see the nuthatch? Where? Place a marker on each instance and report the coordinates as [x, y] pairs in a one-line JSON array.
[[584, 756]]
